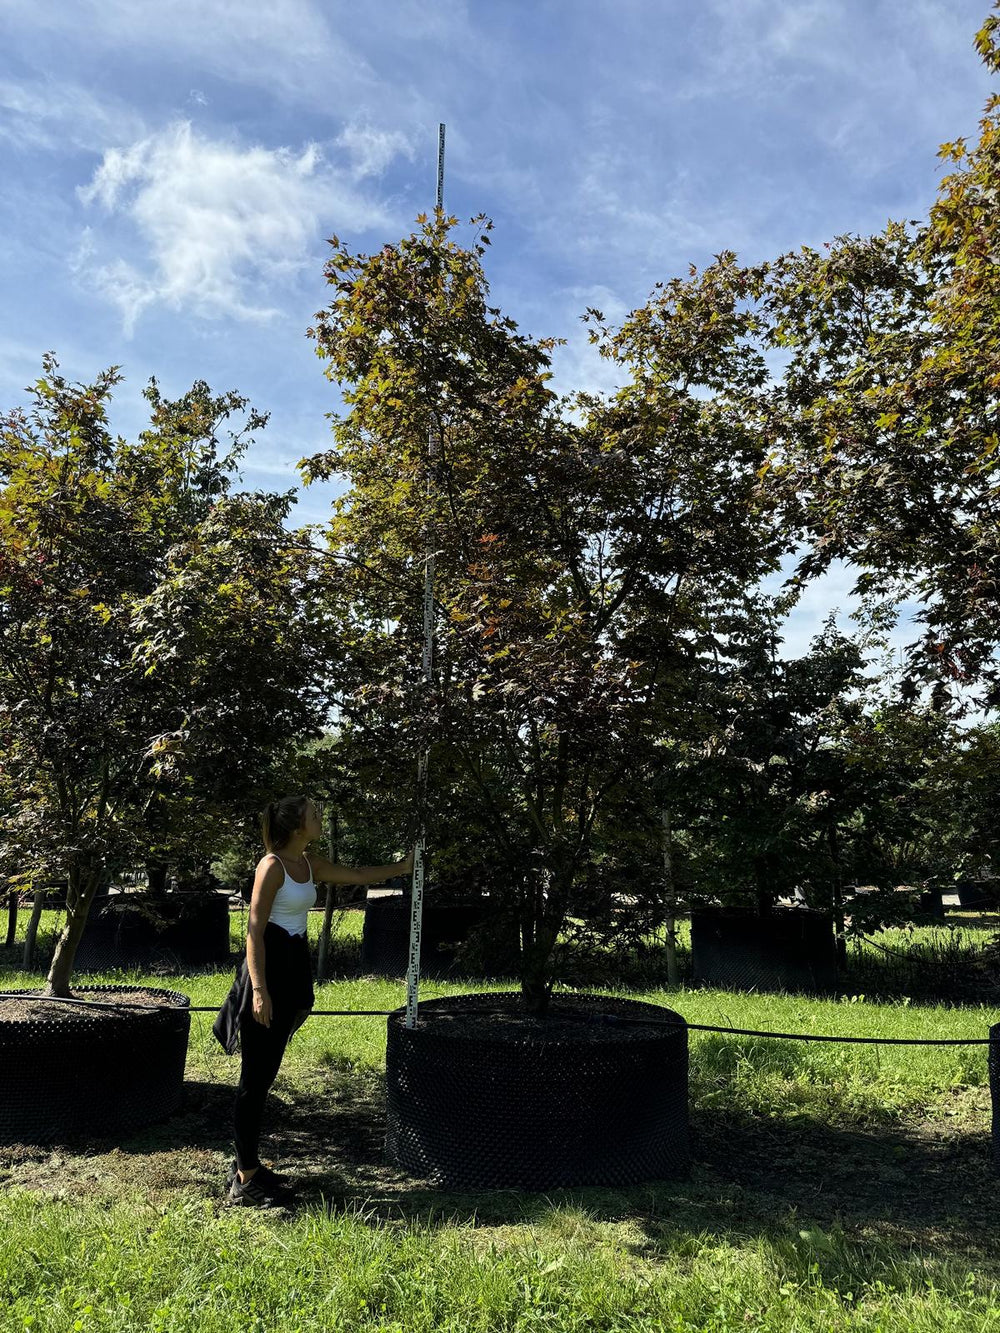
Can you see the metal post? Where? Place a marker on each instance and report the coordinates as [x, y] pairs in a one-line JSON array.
[[417, 893], [331, 899], [994, 1068]]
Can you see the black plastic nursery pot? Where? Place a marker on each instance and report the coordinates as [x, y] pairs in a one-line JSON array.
[[977, 895], [385, 936], [121, 932], [790, 949], [478, 1099], [72, 1072], [931, 903]]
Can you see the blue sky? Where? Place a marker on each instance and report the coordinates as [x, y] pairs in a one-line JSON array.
[[172, 170]]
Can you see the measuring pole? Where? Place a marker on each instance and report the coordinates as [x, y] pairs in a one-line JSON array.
[[417, 894]]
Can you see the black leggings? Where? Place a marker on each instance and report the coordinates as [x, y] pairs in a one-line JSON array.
[[262, 1049], [290, 986]]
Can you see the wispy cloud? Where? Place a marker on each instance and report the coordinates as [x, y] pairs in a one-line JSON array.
[[371, 150], [211, 225], [55, 115], [613, 142], [292, 48]]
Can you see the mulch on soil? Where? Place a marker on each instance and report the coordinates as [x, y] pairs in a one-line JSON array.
[[33, 1009]]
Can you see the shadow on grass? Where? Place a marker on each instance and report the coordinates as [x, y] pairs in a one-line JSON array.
[[928, 1185]]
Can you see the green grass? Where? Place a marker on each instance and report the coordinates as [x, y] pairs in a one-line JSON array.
[[184, 1267], [834, 1187]]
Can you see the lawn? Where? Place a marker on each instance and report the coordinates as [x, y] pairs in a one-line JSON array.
[[833, 1187]]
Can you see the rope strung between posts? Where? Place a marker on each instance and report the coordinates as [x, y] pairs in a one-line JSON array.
[[183, 1009], [612, 1019], [811, 1036]]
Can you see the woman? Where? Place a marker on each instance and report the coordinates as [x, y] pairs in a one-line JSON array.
[[273, 994]]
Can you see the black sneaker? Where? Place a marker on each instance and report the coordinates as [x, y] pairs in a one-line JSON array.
[[257, 1193], [263, 1173]]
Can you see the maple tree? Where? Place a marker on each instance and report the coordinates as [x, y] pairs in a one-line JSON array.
[[582, 544], [155, 636], [884, 422]]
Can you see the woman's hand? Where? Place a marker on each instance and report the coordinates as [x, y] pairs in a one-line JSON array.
[[262, 1007]]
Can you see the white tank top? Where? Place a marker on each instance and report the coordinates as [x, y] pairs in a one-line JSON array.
[[293, 901]]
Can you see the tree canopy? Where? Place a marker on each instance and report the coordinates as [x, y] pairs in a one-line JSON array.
[[155, 642]]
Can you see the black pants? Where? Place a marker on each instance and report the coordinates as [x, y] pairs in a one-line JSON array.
[[289, 984]]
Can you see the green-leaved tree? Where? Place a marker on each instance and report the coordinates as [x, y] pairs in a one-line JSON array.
[[156, 638]]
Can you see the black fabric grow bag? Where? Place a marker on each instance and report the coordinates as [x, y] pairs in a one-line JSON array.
[[79, 1074], [385, 936], [519, 1103], [120, 934], [790, 949], [977, 895]]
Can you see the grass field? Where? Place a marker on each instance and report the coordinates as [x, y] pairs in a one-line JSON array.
[[834, 1187]]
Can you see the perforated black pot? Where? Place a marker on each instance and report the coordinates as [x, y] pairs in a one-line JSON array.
[[194, 932], [789, 949], [476, 1101], [77, 1074]]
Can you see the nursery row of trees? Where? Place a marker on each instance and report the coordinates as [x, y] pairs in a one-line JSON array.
[[608, 713]]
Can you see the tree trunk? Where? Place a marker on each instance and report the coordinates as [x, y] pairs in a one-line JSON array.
[[536, 974], [536, 987], [31, 934], [331, 896], [670, 898], [13, 902], [840, 932], [764, 889], [82, 890], [156, 876], [536, 983]]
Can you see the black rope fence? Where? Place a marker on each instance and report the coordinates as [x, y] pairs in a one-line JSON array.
[[614, 1020]]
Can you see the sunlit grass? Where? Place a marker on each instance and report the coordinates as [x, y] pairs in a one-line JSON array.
[[137, 1267], [689, 1258]]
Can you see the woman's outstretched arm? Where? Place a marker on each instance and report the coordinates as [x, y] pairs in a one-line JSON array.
[[327, 872]]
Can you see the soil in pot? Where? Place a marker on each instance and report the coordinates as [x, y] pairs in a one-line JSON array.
[[481, 1095], [71, 1071]]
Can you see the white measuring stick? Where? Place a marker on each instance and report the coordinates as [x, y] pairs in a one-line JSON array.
[[417, 891]]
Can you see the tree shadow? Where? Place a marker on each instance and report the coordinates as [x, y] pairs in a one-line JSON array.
[[928, 1178], [923, 1188]]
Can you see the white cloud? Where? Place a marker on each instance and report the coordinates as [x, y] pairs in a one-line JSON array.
[[848, 56], [218, 224], [578, 366], [372, 150]]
